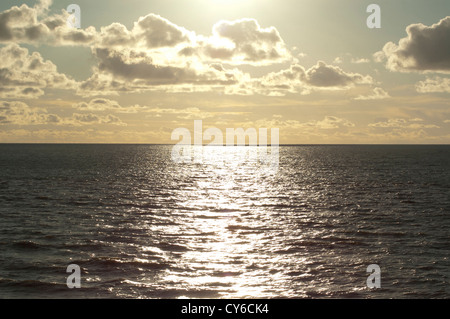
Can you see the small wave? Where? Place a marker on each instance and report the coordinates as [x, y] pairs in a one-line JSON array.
[[226, 274], [27, 245], [173, 247], [407, 201], [242, 227], [80, 203], [43, 198], [34, 284], [207, 217], [121, 263], [226, 210]]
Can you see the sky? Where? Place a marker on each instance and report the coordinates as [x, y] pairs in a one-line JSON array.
[[137, 70]]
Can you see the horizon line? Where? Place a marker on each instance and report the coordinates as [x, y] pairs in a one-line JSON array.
[[286, 144]]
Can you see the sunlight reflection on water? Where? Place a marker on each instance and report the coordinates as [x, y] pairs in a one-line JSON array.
[[141, 226]]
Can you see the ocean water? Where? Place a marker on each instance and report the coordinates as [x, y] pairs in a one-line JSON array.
[[141, 226]]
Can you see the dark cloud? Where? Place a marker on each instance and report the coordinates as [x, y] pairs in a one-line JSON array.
[[323, 75], [426, 48], [157, 32], [24, 24], [127, 67], [298, 80]]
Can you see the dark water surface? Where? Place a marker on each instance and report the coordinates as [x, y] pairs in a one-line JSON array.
[[140, 226]]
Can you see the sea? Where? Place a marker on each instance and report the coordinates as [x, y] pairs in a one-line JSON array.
[[139, 225]]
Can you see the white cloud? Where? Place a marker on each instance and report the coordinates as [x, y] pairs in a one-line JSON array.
[[234, 42], [434, 85], [245, 42], [328, 123], [378, 94], [360, 60], [338, 60], [149, 32], [238, 42], [19, 113], [156, 54], [26, 24], [9, 92], [24, 75], [347, 57], [414, 123], [90, 119], [101, 105], [98, 105]]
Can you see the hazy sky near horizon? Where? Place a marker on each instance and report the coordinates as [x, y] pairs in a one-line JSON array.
[[137, 70]]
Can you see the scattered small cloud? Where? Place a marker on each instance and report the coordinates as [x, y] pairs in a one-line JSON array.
[[414, 123], [434, 85], [21, 114], [360, 60], [377, 94]]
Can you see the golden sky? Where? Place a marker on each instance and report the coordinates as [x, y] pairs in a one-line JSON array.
[[137, 70]]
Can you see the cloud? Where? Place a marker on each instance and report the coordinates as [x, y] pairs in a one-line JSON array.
[[426, 48], [237, 42], [150, 32], [9, 92], [100, 105], [43, 6], [347, 57], [19, 113], [338, 60], [245, 42], [360, 60], [156, 32], [328, 123], [190, 113], [91, 119], [234, 42], [378, 94], [132, 65], [30, 25], [434, 85], [395, 123], [325, 128], [156, 54], [127, 70], [101, 85], [323, 75], [24, 75], [319, 77]]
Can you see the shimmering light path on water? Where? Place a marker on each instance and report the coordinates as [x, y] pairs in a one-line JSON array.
[[141, 226]]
